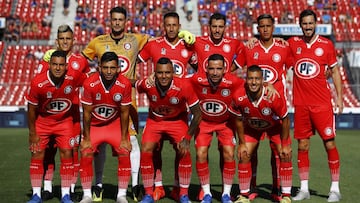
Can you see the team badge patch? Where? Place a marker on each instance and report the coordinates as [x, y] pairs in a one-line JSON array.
[[117, 97], [174, 100], [276, 58], [72, 142], [153, 98], [225, 92], [163, 51], [256, 55], [48, 95], [75, 65], [328, 131], [68, 89], [226, 48], [266, 111], [184, 53], [207, 48], [246, 110], [127, 46], [298, 50], [319, 51], [98, 96], [204, 90]]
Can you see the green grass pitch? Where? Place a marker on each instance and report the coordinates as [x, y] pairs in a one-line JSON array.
[[15, 184]]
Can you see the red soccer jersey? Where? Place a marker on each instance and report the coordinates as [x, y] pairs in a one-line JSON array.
[[53, 102], [214, 103], [260, 115], [204, 47], [106, 103], [179, 54], [310, 86], [273, 61], [173, 104]]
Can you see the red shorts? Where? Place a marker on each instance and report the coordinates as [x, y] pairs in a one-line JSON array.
[[223, 132], [109, 133], [273, 134], [174, 131], [307, 119], [61, 131]]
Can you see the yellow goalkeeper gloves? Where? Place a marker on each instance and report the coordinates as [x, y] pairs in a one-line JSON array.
[[188, 37], [48, 54]]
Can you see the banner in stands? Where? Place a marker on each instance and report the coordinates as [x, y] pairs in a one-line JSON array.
[[295, 30], [2, 22]]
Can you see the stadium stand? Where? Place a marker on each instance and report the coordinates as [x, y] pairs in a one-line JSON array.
[[17, 64]]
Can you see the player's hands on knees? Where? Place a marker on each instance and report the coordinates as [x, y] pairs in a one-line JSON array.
[[34, 142], [150, 81], [183, 146], [271, 92], [242, 152], [285, 153], [125, 145]]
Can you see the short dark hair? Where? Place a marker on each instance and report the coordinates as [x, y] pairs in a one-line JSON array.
[[64, 28], [254, 68], [265, 16], [58, 53], [109, 56], [215, 57], [217, 16], [164, 60], [307, 12], [118, 9], [171, 14]]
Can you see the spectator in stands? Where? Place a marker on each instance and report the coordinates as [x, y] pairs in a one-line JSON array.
[[66, 4], [47, 20], [188, 9], [326, 18], [39, 54]]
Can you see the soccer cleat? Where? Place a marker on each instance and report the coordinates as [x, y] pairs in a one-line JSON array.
[[175, 193], [275, 196], [46, 195], [285, 199], [201, 194], [75, 196], [86, 199], [253, 195], [207, 199], [97, 194], [226, 199], [147, 199], [301, 195], [121, 199], [242, 199], [136, 193], [158, 193], [184, 199], [334, 196], [66, 199], [35, 199]]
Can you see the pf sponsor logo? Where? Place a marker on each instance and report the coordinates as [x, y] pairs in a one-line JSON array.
[[178, 68], [269, 73], [213, 107], [307, 68], [58, 106], [124, 64], [104, 112], [259, 124]]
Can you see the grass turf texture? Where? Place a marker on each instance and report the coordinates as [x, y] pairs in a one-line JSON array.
[[15, 156]]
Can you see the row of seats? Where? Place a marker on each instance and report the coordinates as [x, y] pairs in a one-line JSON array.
[[5, 6]]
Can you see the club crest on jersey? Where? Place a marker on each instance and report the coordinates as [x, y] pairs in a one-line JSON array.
[[68, 89], [163, 51], [184, 53], [75, 65], [225, 92], [174, 100], [319, 51], [48, 95], [328, 131], [276, 58], [256, 55], [98, 96], [213, 107], [207, 47], [266, 111], [117, 97], [226, 48], [298, 50], [104, 112], [127, 46], [58, 105]]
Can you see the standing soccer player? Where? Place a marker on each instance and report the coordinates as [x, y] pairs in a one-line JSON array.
[[76, 64], [49, 116], [174, 48], [313, 56], [214, 89], [127, 47], [106, 102], [169, 100], [274, 58], [258, 114]]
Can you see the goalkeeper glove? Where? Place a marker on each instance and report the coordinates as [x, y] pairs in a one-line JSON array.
[[48, 54], [188, 37]]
